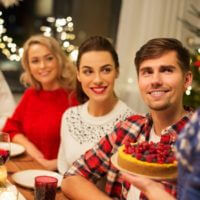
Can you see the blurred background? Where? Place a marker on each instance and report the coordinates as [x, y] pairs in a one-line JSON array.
[[127, 23]]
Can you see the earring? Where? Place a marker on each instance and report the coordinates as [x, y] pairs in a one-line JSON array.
[[188, 91]]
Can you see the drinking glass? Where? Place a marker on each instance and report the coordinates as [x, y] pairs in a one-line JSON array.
[[4, 155], [9, 192], [45, 188]]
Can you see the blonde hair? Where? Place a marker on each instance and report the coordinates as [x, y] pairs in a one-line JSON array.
[[67, 72]]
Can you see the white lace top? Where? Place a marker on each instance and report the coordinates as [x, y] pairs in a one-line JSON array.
[[80, 131]]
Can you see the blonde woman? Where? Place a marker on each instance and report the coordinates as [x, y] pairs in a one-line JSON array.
[[51, 79]]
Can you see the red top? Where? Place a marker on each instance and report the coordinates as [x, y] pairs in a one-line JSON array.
[[38, 117]]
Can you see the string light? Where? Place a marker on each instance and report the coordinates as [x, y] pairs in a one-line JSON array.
[[60, 28], [73, 55], [7, 46], [188, 91]]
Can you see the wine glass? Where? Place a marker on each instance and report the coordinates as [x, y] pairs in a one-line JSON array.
[[4, 156], [4, 147]]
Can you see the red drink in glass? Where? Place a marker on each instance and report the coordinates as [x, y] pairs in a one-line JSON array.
[[4, 156], [45, 187]]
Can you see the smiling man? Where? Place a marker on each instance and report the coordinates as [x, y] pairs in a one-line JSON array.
[[163, 76]]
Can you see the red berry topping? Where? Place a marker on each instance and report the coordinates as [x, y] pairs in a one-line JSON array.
[[160, 152]]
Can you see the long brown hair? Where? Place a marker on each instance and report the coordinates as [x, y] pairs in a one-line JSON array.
[[157, 47]]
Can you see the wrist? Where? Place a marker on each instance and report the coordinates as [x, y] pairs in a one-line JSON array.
[[153, 190]]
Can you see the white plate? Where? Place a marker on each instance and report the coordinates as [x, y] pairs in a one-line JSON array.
[[26, 178], [15, 149]]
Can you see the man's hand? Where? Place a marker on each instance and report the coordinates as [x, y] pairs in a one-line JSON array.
[[152, 189]]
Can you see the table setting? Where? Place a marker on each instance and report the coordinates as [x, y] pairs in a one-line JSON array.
[[18, 172]]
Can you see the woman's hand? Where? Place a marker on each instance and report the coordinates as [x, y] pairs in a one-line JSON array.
[[34, 152], [152, 189]]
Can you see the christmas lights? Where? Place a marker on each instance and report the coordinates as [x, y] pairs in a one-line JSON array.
[[60, 28], [192, 97], [7, 45]]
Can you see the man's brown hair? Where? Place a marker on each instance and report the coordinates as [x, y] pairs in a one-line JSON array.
[[157, 47]]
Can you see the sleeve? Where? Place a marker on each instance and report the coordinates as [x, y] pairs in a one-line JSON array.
[[7, 101], [61, 160], [14, 124], [95, 163], [192, 187]]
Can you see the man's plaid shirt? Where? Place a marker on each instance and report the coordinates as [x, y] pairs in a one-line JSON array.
[[96, 163]]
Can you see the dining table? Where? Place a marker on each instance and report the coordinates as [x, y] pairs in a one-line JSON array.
[[26, 162]]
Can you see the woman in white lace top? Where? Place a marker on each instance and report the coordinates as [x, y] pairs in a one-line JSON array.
[[84, 125]]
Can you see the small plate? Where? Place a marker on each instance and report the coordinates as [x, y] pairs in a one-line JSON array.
[[15, 149], [115, 163], [26, 178]]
